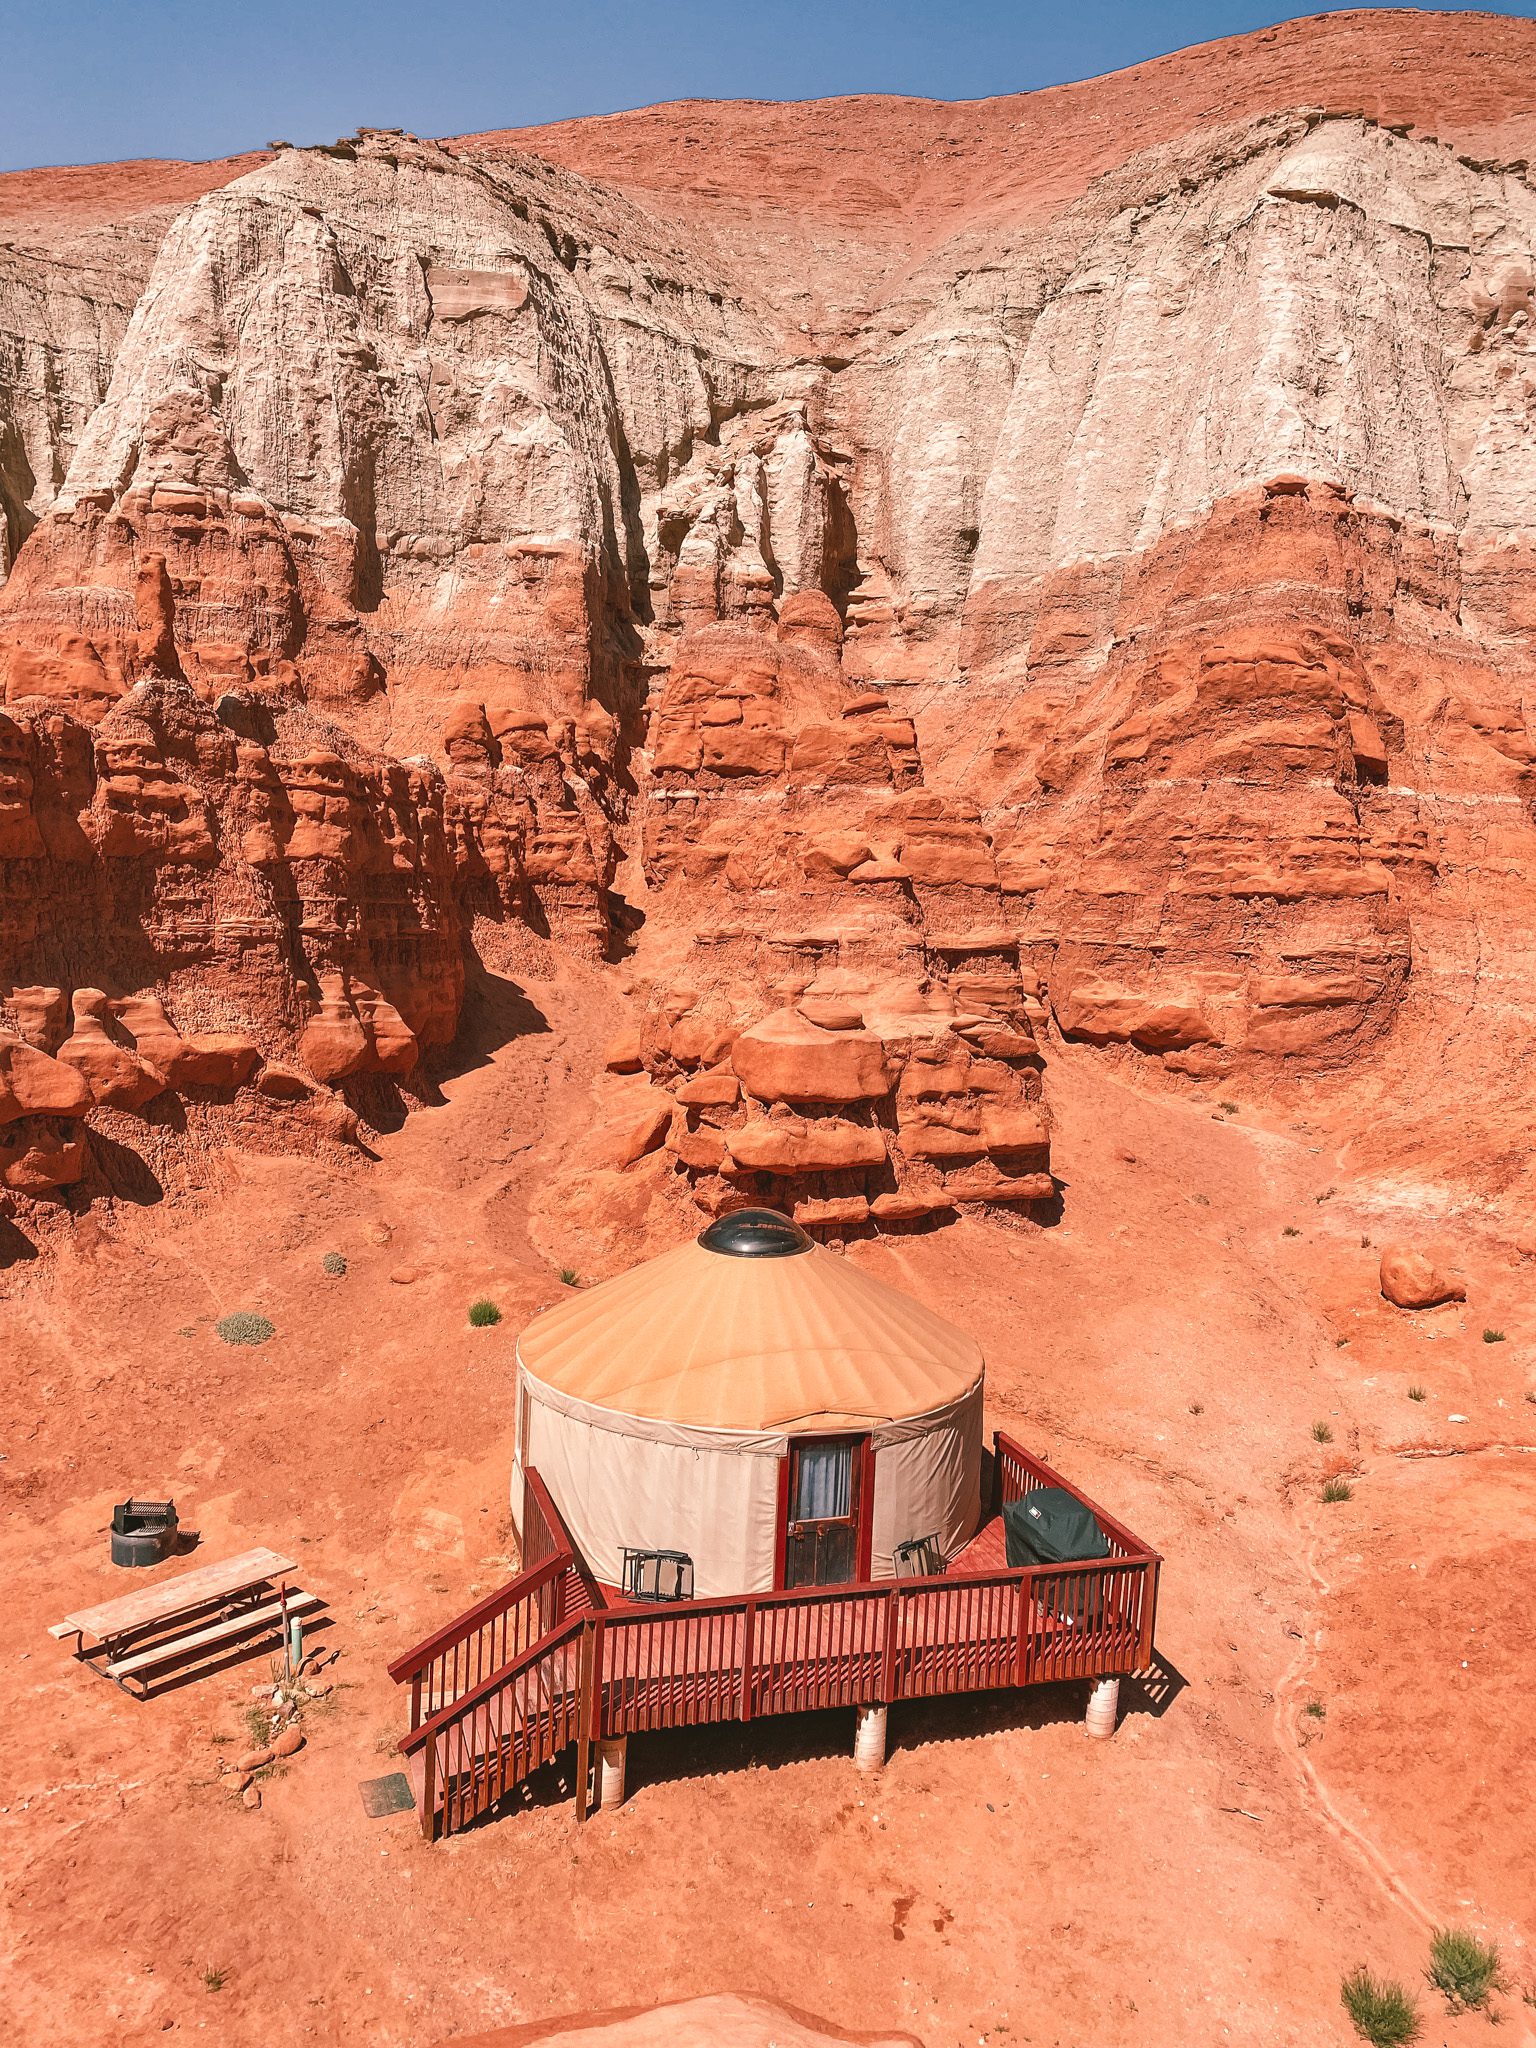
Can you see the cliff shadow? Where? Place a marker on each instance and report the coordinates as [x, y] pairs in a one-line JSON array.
[[495, 1010]]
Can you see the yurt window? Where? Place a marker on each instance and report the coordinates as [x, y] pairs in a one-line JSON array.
[[823, 1483], [825, 1511]]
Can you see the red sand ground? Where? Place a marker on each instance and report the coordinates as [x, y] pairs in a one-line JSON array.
[[1206, 1876]]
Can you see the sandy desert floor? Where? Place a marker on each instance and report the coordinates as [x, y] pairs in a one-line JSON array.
[[1209, 1295]]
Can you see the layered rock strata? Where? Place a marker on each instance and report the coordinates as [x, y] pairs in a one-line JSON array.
[[1094, 599]]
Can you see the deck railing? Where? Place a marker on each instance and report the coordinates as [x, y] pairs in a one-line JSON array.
[[481, 1644], [543, 1663]]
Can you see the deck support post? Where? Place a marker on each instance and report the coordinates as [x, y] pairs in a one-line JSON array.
[[1103, 1708], [613, 1756], [869, 1739]]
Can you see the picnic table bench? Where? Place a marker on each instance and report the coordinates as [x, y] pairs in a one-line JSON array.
[[166, 1631]]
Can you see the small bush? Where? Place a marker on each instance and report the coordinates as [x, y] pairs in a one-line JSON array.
[[1418, 1393], [214, 1980], [243, 1327], [1315, 1710], [1493, 1337], [1227, 1108], [1290, 1230], [1463, 1968], [1197, 1407], [1338, 1489], [483, 1313], [1380, 2011], [1322, 1433], [569, 1276], [334, 1264]]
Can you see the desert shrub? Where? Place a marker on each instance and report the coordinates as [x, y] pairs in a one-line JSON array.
[[1463, 1968], [1197, 1407], [214, 1980], [244, 1327], [1315, 1710], [1322, 1433], [1290, 1230], [1227, 1108], [1338, 1489], [1380, 2011], [1493, 1336], [334, 1264], [569, 1276], [483, 1313], [1418, 1393]]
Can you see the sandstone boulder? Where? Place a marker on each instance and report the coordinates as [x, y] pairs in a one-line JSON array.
[[32, 1084], [391, 1041], [42, 1015], [1159, 1022], [787, 1058], [41, 1154], [621, 1055], [645, 1129], [117, 1077], [832, 1212], [791, 1145], [1409, 1279], [204, 1059], [333, 1044], [716, 1089]]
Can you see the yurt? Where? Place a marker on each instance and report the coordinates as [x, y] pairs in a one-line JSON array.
[[757, 1405]]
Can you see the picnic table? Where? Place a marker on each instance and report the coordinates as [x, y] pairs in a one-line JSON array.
[[208, 1614]]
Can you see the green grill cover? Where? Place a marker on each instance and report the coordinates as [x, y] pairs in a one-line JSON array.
[[1051, 1526]]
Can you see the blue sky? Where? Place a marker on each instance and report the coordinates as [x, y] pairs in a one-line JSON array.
[[90, 81]]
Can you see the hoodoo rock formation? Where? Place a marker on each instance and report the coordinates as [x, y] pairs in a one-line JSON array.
[[873, 584]]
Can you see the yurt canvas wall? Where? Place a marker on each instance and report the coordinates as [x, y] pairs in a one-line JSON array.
[[659, 1407], [628, 1481]]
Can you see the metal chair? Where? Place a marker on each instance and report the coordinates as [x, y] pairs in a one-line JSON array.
[[919, 1558], [664, 1575]]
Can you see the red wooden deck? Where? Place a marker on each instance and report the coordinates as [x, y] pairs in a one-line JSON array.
[[550, 1660]]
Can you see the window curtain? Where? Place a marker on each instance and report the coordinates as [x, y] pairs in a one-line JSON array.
[[823, 1482]]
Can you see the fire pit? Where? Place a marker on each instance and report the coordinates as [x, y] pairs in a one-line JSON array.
[[143, 1531]]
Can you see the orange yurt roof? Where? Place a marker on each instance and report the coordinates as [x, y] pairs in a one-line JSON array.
[[715, 1338]]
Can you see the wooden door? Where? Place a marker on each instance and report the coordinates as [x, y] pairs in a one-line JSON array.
[[825, 1506]]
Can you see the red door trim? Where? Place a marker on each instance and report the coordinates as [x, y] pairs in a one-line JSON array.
[[865, 1454], [863, 1479]]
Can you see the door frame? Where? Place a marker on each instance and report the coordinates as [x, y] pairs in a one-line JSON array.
[[863, 1480]]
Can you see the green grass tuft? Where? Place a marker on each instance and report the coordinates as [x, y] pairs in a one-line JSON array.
[[244, 1327], [334, 1264], [1338, 1489], [1315, 1710], [1493, 1337], [1418, 1393], [1380, 2011], [1322, 1433], [1463, 1968], [569, 1276], [483, 1313], [214, 1980]]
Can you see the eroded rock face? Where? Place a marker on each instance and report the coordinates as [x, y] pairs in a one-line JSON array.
[[1097, 596]]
